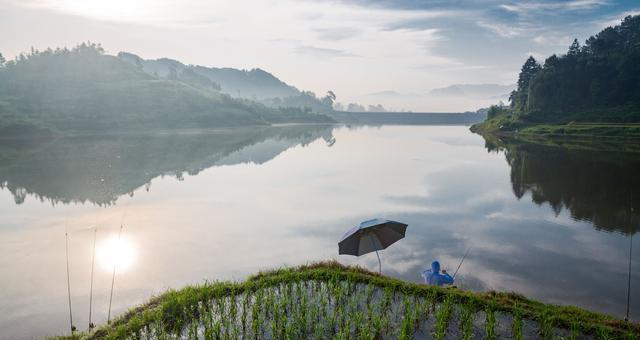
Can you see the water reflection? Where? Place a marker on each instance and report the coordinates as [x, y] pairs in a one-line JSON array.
[[116, 251], [101, 169], [602, 187], [273, 197]]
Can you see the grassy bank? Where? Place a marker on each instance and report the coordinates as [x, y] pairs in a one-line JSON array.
[[328, 300], [507, 125]]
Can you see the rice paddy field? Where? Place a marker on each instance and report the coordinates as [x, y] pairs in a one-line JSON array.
[[328, 300]]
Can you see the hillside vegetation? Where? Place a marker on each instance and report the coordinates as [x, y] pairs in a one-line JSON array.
[[256, 84], [328, 300], [82, 89], [598, 82]]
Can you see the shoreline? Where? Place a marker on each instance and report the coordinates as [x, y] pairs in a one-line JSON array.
[[324, 298], [609, 136]]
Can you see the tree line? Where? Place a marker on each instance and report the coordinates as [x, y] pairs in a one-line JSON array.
[[83, 89], [598, 81]]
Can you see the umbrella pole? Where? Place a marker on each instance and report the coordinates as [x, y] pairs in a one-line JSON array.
[[379, 263]]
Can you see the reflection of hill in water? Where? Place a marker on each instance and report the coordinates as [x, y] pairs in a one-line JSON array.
[[602, 187], [101, 169]]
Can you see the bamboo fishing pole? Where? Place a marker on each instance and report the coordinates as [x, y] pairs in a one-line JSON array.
[[66, 241], [113, 278], [629, 278], [93, 260], [630, 252]]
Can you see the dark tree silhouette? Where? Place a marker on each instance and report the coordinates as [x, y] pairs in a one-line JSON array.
[[520, 96], [599, 81], [574, 49]]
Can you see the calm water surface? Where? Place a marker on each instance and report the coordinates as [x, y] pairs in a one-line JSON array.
[[550, 224]]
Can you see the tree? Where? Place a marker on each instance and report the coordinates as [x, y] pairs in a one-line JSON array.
[[574, 49], [354, 107], [329, 99], [173, 73], [376, 108], [597, 82], [529, 69], [551, 61], [519, 98], [2, 60], [497, 110]]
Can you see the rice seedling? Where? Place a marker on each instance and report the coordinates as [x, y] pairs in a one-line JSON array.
[[490, 324], [256, 320], [443, 315], [408, 323], [603, 334], [466, 322], [574, 331], [546, 324], [243, 316], [632, 335], [336, 302], [517, 324]]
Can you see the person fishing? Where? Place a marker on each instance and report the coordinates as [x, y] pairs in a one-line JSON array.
[[433, 277]]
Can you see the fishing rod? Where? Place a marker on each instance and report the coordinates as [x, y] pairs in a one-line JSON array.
[[66, 239], [460, 265], [629, 280], [113, 278], [630, 251], [93, 260]]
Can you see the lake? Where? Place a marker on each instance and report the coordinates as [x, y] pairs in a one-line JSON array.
[[552, 224]]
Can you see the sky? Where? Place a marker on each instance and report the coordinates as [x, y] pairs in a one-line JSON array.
[[354, 47]]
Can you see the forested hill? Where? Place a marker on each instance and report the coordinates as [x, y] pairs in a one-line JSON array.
[[255, 85], [596, 82], [83, 89]]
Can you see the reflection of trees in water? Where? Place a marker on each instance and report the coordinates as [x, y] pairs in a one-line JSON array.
[[597, 186], [101, 169]]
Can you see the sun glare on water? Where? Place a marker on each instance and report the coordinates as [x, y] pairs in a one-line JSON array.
[[118, 252]]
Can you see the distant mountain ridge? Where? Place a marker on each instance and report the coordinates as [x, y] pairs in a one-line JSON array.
[[254, 84], [474, 90], [83, 90]]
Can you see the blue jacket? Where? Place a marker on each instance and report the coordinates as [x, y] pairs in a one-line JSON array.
[[433, 277]]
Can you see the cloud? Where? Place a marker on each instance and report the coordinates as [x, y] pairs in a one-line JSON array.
[[615, 19], [322, 52], [505, 31], [538, 56], [336, 33], [408, 45], [426, 20], [551, 39], [584, 4], [527, 8]]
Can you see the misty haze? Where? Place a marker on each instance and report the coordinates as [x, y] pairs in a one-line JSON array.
[[349, 169]]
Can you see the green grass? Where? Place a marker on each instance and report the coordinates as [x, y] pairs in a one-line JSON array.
[[573, 136], [466, 323], [490, 325], [510, 126], [517, 324], [330, 300]]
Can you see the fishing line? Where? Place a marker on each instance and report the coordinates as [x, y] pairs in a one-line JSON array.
[[460, 265], [113, 278]]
